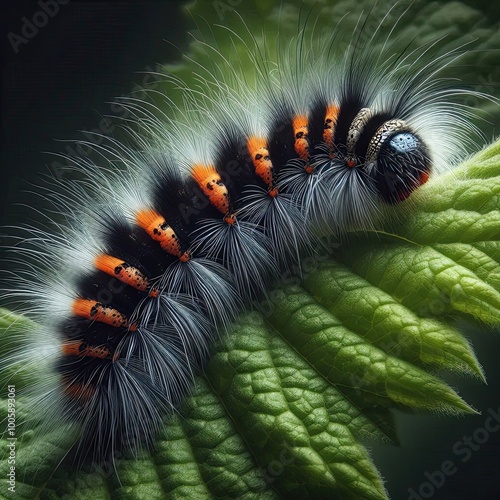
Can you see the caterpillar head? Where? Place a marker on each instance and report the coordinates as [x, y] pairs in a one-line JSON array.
[[401, 166], [394, 158], [372, 159]]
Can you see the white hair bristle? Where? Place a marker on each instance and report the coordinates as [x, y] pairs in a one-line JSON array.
[[162, 243]]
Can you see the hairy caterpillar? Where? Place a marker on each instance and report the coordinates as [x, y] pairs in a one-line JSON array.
[[209, 209]]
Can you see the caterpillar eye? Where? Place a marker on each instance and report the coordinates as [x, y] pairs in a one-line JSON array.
[[403, 164]]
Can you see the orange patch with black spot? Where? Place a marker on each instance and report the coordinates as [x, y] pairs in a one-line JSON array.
[[257, 148], [157, 228], [301, 135], [79, 348], [91, 309], [331, 115], [210, 182], [122, 271]]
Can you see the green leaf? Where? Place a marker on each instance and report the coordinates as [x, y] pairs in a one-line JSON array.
[[383, 320], [346, 359], [283, 410]]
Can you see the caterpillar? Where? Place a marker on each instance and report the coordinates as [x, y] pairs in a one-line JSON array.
[[215, 201]]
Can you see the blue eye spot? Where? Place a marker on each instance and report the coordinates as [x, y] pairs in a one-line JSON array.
[[404, 142]]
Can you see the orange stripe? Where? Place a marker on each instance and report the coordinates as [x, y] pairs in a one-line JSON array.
[[77, 390], [78, 348], [212, 186], [122, 271], [95, 311], [301, 134], [157, 228], [331, 115], [257, 147]]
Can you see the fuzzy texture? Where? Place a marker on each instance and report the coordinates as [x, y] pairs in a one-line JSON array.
[[192, 212]]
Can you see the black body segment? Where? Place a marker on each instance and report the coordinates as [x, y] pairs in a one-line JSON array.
[[219, 234]]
